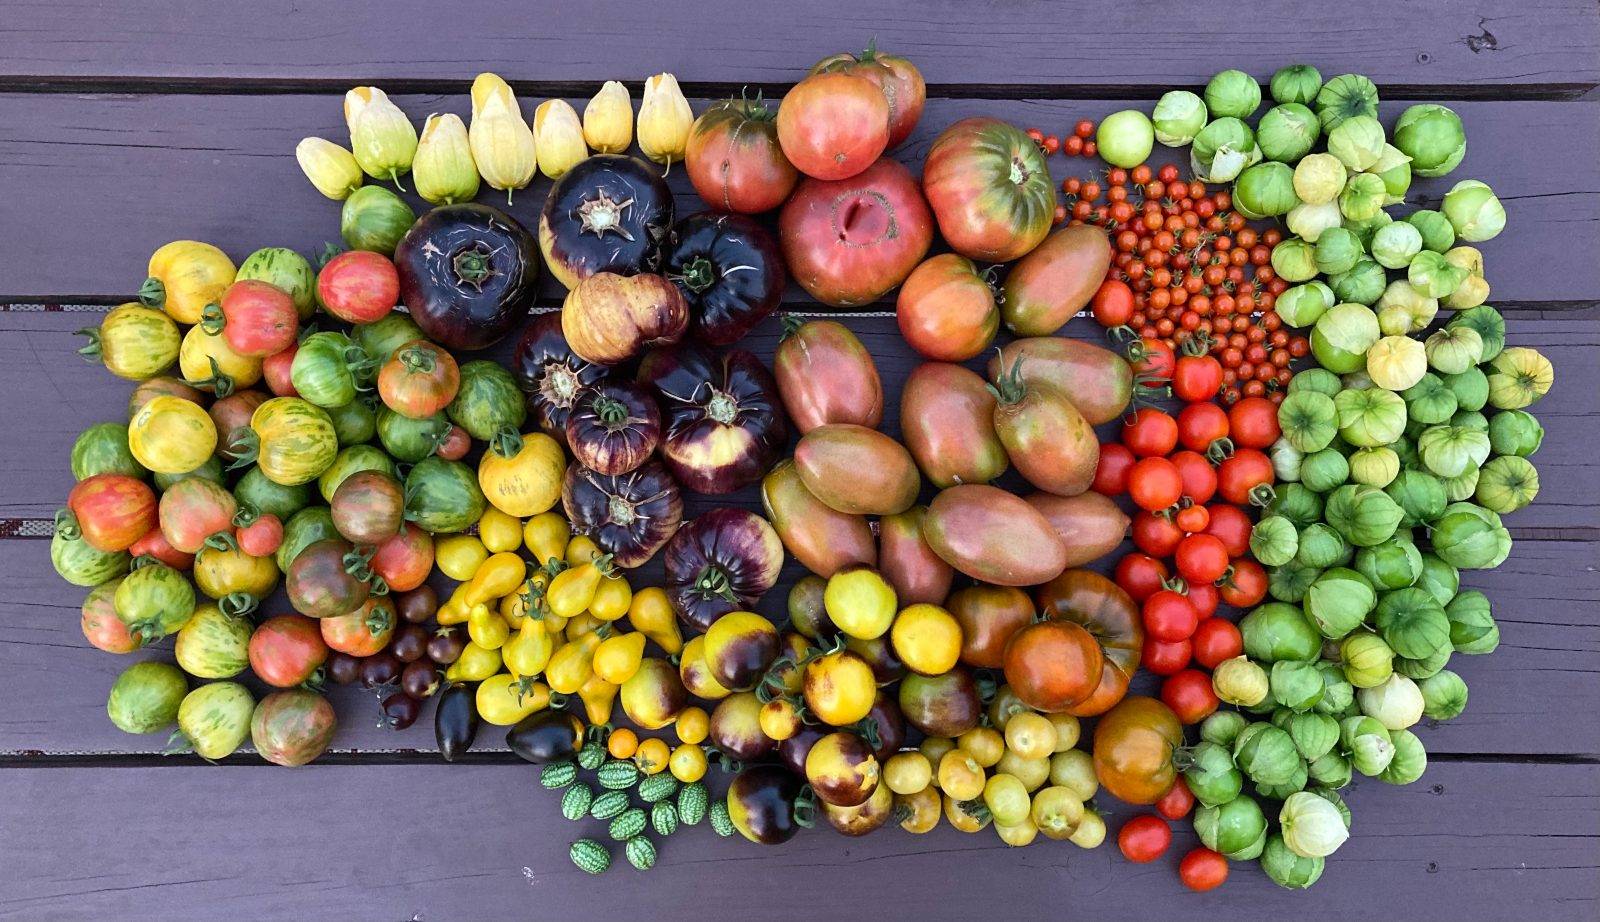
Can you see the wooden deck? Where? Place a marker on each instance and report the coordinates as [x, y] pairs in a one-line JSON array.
[[128, 124]]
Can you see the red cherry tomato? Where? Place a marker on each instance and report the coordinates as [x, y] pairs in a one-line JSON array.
[[1198, 476], [1253, 422], [1245, 477], [1201, 558], [1152, 360], [1140, 576], [1113, 304], [1191, 519], [1246, 586], [1196, 378], [1155, 484], [1201, 425], [1144, 838], [1150, 433], [1189, 695], [1204, 597], [1164, 658], [1155, 534], [1176, 803], [1111, 474], [1203, 869], [1216, 640], [1232, 525], [1168, 616]]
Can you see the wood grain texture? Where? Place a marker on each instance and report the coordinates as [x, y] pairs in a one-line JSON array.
[[1030, 43], [386, 843], [100, 181]]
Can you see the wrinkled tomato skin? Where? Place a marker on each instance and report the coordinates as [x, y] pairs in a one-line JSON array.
[[848, 242]]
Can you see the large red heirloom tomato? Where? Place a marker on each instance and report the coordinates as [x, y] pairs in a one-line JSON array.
[[899, 79], [849, 242], [990, 189], [833, 125], [734, 160]]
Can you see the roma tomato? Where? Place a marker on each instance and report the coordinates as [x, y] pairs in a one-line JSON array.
[[1113, 303], [990, 188], [1140, 575], [993, 535], [1164, 658], [1047, 439], [1176, 803], [1253, 423], [1134, 745], [1245, 477], [902, 84], [1231, 525], [1053, 665], [1168, 616], [1111, 474], [826, 375], [1203, 869], [734, 160], [359, 286], [113, 510], [849, 241], [1144, 839], [1099, 380], [286, 650], [1090, 525], [1203, 428], [1155, 484], [1199, 480], [1201, 558], [1155, 534], [1196, 376], [257, 319], [1189, 694], [1216, 640], [833, 125], [947, 423], [946, 310], [1150, 433], [1246, 585], [1048, 286]]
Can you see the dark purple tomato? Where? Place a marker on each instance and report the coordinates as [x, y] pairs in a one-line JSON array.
[[417, 605], [342, 668], [420, 679], [380, 669], [446, 645], [400, 711], [410, 643]]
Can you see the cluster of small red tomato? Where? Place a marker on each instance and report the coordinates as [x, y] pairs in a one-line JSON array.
[[1192, 477], [1080, 143]]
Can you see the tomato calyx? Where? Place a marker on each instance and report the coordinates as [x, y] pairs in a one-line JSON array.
[[153, 293], [602, 215], [212, 319], [1219, 450], [239, 605]]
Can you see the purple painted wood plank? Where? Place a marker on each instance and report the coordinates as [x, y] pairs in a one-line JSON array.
[[1469, 841], [1033, 42], [1546, 597], [120, 175]]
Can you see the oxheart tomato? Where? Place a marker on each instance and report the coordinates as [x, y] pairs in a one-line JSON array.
[[359, 286], [1103, 609], [993, 535], [286, 650], [1134, 745], [1053, 665], [734, 160], [946, 310], [902, 84], [991, 190], [1189, 694], [848, 242], [833, 125], [1090, 525], [1048, 441], [1099, 381]]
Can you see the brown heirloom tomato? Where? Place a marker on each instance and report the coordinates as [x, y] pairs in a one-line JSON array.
[[1097, 381], [911, 567], [734, 160], [947, 423], [1050, 284], [990, 189], [942, 705], [1045, 436], [993, 535], [988, 616], [822, 539], [825, 375], [1134, 746], [857, 470], [1089, 524], [1110, 615], [1052, 665], [848, 242], [833, 125], [902, 84], [946, 310]]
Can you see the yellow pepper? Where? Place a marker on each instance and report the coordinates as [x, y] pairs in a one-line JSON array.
[[546, 535], [528, 651], [499, 575], [650, 612], [459, 556], [611, 598], [331, 168], [608, 119], [573, 664], [185, 276], [454, 610], [474, 665], [598, 696], [499, 531], [618, 657], [572, 590], [486, 628], [504, 699], [581, 549]]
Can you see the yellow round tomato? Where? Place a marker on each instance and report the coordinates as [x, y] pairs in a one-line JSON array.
[[295, 440], [459, 556], [927, 639], [653, 755], [693, 725], [1091, 831], [618, 657], [960, 775], [499, 531], [1074, 770], [860, 602], [526, 479], [1017, 834], [933, 749], [185, 276], [622, 743], [907, 772], [209, 364], [983, 744], [1057, 812], [1033, 773], [839, 688], [1030, 735], [1068, 731], [688, 763], [504, 699], [581, 549], [170, 435], [1007, 799], [956, 811], [134, 342], [920, 810]]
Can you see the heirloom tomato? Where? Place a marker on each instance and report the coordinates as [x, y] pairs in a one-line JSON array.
[[993, 535], [256, 318], [1055, 279], [946, 309], [825, 375], [990, 188], [947, 422], [849, 241], [1099, 381], [359, 286], [1110, 616], [1048, 441], [286, 650], [734, 159], [185, 276], [419, 380], [902, 84], [113, 511], [833, 125], [1053, 665], [1134, 746], [170, 435], [133, 342]]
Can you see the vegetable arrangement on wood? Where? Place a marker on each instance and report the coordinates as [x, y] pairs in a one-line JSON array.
[[1305, 458]]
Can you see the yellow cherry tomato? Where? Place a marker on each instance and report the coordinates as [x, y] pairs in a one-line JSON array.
[[1091, 831], [618, 657], [521, 474], [927, 639], [581, 549], [499, 531], [960, 775], [933, 749], [1030, 735], [780, 719], [1005, 704], [486, 628], [983, 744], [572, 590], [573, 664], [501, 574], [920, 809], [688, 763], [1018, 834], [653, 755], [528, 651], [860, 602], [907, 772], [622, 743], [185, 276], [650, 612], [210, 364], [1007, 799], [693, 725], [170, 435], [545, 536], [582, 623], [1057, 812], [598, 697], [459, 556], [1068, 731], [956, 812], [474, 664], [1074, 770], [504, 699], [1033, 773], [611, 598]]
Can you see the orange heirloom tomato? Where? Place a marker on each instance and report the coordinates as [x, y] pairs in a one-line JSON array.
[[1134, 745]]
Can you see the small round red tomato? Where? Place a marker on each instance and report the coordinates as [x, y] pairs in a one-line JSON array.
[[1202, 426], [1140, 576], [1216, 640], [1203, 869], [1113, 303], [1245, 477], [1176, 803], [1204, 597], [1253, 423], [256, 318], [1154, 484], [1111, 473], [261, 536], [359, 286], [1198, 476], [455, 444], [833, 125], [1164, 658], [1152, 359], [1168, 616], [1191, 519], [1144, 838], [1189, 694], [275, 370], [1196, 378], [1201, 558], [1231, 525], [1155, 534], [1246, 586], [1150, 433]]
